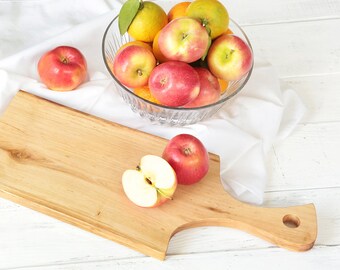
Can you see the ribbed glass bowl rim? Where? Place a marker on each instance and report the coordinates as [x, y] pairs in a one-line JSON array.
[[224, 99]]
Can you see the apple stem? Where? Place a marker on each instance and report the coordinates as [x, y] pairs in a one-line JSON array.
[[184, 36], [141, 4], [229, 55], [187, 151], [64, 60], [139, 72], [204, 22]]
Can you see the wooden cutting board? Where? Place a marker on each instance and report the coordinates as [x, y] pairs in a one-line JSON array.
[[68, 165]]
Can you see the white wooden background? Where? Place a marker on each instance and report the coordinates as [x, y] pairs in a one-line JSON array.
[[301, 38]]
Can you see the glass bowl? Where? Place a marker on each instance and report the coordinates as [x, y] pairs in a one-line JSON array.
[[170, 116]]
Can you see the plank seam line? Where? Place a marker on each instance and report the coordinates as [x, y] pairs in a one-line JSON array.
[[309, 75], [316, 19]]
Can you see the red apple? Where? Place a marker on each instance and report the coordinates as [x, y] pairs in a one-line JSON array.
[[229, 57], [133, 64], [210, 91], [174, 83], [63, 68], [183, 39], [152, 184], [188, 157]]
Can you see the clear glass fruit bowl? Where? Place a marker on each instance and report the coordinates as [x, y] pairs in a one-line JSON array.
[[170, 116]]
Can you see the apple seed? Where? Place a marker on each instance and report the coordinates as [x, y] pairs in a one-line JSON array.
[[148, 180]]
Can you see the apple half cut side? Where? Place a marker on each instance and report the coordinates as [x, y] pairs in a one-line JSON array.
[[152, 183]]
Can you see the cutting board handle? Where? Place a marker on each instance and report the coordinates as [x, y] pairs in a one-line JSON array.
[[293, 228]]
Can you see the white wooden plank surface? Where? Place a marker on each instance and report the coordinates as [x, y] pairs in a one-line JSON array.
[[297, 49], [320, 94], [307, 159], [276, 11], [301, 39], [271, 258]]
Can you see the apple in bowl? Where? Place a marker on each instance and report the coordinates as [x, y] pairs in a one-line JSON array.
[[153, 182], [133, 64], [184, 39], [62, 69], [174, 83], [210, 90], [229, 57]]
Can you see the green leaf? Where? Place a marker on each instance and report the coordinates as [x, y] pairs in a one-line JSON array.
[[206, 52], [127, 14]]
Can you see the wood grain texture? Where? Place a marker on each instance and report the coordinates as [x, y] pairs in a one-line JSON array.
[[68, 165]]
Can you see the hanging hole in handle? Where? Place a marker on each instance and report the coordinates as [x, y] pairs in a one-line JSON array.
[[291, 221]]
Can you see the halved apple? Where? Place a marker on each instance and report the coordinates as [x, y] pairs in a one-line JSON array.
[[152, 183]]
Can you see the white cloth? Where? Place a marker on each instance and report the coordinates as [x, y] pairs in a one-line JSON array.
[[241, 133]]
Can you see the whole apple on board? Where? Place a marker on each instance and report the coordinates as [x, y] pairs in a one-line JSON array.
[[197, 32], [62, 69], [188, 157]]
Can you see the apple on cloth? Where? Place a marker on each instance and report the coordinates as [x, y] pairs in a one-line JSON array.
[[241, 133], [62, 69]]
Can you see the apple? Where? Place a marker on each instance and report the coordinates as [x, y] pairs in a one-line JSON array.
[[174, 83], [212, 14], [156, 50], [153, 182], [183, 39], [62, 69], [210, 91], [133, 64], [178, 10], [188, 157], [229, 57], [135, 42]]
